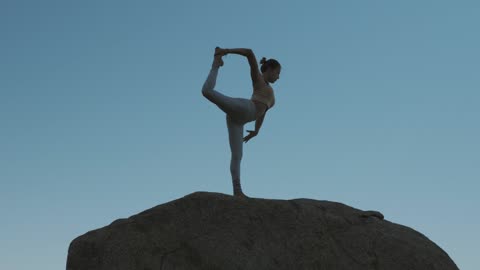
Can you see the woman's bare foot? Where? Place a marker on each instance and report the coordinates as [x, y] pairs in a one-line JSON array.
[[220, 51], [217, 58], [240, 194]]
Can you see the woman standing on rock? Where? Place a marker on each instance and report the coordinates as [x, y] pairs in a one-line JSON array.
[[240, 111]]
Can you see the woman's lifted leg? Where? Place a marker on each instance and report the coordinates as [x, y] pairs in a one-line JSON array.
[[227, 104]]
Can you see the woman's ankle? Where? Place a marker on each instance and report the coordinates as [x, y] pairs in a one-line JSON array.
[[217, 62]]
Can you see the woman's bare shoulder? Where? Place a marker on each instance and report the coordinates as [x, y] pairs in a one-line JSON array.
[[259, 84]]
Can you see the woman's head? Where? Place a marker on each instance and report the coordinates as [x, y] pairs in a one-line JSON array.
[[270, 69]]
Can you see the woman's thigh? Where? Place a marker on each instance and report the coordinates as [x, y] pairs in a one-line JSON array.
[[241, 110], [227, 104], [244, 111]]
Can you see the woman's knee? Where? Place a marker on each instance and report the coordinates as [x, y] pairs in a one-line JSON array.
[[237, 157], [206, 91], [209, 94]]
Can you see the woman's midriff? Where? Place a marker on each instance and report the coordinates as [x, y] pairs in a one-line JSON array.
[[260, 108]]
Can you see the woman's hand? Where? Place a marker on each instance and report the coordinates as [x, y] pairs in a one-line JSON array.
[[252, 134]]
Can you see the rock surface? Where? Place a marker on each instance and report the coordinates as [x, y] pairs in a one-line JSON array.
[[205, 230]]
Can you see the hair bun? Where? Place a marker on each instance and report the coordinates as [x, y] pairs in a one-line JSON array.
[[263, 61]]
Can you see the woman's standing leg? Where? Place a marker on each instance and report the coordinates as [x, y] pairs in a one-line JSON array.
[[235, 108], [235, 136]]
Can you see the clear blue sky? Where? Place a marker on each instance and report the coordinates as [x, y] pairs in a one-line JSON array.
[[102, 115]]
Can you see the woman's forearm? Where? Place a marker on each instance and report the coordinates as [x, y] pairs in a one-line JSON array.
[[259, 122], [242, 51]]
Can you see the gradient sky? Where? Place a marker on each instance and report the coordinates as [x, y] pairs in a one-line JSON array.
[[101, 113]]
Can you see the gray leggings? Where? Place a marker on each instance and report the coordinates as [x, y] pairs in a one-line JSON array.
[[239, 111]]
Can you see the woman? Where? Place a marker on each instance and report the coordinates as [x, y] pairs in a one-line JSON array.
[[240, 111]]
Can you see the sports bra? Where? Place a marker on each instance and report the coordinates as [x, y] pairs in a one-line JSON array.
[[264, 95]]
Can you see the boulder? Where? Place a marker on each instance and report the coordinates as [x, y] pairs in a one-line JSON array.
[[206, 230]]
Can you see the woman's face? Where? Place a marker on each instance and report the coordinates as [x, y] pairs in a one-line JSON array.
[[274, 74]]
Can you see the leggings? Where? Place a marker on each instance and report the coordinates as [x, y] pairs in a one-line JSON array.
[[239, 111]]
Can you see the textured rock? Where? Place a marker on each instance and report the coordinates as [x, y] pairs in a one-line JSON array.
[[216, 231]]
